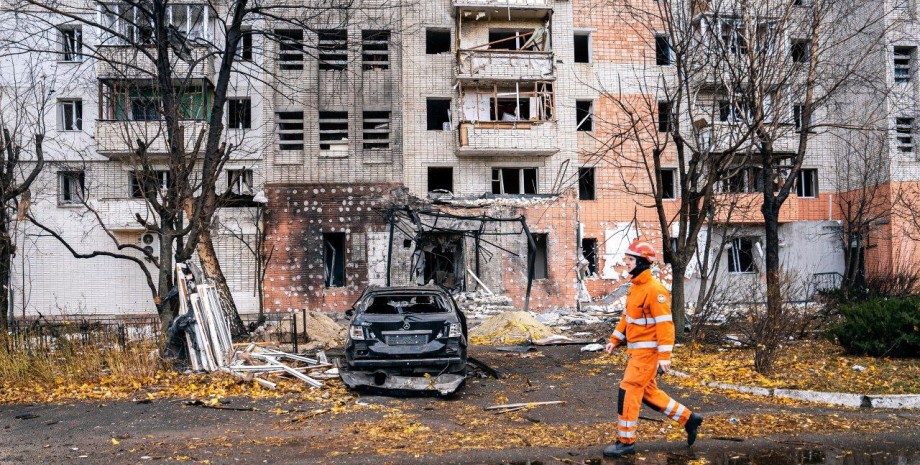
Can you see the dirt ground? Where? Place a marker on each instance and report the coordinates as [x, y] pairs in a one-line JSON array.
[[339, 426]]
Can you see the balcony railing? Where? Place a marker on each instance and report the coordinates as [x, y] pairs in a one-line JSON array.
[[123, 138], [539, 4], [508, 138], [121, 214], [129, 62], [505, 65]]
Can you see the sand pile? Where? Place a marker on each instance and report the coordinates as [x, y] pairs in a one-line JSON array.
[[509, 328], [323, 331]]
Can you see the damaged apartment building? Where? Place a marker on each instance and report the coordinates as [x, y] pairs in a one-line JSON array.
[[449, 141]]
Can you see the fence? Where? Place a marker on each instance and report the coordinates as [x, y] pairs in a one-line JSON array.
[[49, 332]]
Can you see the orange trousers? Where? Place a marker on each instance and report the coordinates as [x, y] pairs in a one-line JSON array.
[[639, 386]]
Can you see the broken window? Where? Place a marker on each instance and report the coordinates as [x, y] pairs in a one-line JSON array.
[[290, 130], [904, 133], [239, 182], [662, 50], [148, 184], [509, 109], [501, 39], [239, 113], [540, 256], [375, 49], [668, 183], [744, 181], [905, 59], [589, 252], [732, 35], [664, 116], [514, 181], [290, 48], [584, 115], [71, 43], [798, 111], [800, 50], [440, 179], [333, 49], [71, 186], [244, 47], [334, 259], [734, 112], [438, 113], [586, 184], [333, 130], [376, 126], [404, 304], [741, 255], [807, 183], [437, 41], [70, 115], [582, 47]]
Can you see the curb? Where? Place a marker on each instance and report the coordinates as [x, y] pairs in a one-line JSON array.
[[893, 401]]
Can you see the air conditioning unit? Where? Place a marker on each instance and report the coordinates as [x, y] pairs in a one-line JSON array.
[[150, 242]]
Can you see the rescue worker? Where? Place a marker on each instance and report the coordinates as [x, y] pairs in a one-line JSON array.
[[648, 331]]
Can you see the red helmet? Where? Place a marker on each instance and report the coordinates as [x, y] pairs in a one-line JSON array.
[[642, 249]]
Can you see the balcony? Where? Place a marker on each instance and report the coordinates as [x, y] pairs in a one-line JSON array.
[[127, 62], [525, 4], [505, 65], [120, 138], [507, 10], [508, 138], [120, 215]]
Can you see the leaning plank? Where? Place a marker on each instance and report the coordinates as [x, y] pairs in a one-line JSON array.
[[290, 356], [524, 405]]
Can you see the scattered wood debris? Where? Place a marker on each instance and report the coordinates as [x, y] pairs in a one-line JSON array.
[[505, 408]]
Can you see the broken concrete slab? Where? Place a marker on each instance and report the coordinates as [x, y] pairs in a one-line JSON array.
[[895, 401]]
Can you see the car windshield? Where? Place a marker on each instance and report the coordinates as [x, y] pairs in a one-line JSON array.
[[401, 304]]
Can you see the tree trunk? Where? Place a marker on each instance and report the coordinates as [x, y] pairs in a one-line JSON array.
[[678, 300], [6, 257], [168, 310], [766, 331], [211, 266]]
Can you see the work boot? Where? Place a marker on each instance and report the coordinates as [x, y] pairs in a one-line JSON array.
[[693, 427], [618, 449]]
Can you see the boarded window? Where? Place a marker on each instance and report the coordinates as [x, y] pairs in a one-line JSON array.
[[514, 181], [290, 130], [662, 50], [437, 41], [376, 130], [668, 184], [584, 114], [438, 113], [71, 186], [239, 114], [440, 179], [334, 259], [540, 256], [375, 49], [586, 190], [333, 49], [290, 48], [589, 252], [741, 255], [582, 47], [333, 130], [807, 183]]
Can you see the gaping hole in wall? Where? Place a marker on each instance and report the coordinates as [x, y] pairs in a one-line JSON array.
[[334, 259], [589, 252], [438, 113], [582, 47], [442, 255], [437, 41], [440, 179], [586, 189], [541, 256]]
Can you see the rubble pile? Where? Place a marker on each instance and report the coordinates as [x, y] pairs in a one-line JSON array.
[[480, 305], [510, 328], [323, 331]]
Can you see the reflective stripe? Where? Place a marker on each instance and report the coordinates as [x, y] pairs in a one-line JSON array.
[[619, 335], [677, 414], [665, 348], [640, 321], [659, 319], [642, 345], [629, 424], [627, 434], [671, 406]]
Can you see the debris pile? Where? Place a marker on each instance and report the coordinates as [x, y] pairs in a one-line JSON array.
[[323, 331], [255, 361], [509, 328]]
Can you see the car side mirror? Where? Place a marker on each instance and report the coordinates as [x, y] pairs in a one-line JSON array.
[[350, 312]]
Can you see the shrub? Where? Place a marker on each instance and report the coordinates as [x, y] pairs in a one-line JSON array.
[[880, 327]]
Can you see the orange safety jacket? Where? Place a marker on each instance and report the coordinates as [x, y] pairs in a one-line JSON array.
[[646, 325]]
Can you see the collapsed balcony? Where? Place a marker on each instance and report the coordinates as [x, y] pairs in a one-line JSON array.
[[512, 119]]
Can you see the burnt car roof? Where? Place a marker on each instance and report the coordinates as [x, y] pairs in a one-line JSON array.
[[426, 289]]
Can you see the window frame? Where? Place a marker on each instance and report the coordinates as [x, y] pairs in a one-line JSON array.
[[907, 56], [800, 183], [371, 120], [76, 114], [584, 173], [333, 134], [429, 111], [241, 111], [373, 58], [239, 178], [67, 177], [675, 192], [734, 255], [665, 56], [587, 119], [522, 180], [664, 123], [800, 50], [75, 55], [429, 31], [589, 43], [283, 118], [541, 238], [905, 129], [136, 188], [329, 275], [443, 169]]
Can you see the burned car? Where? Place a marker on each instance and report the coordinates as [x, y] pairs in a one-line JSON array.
[[406, 338]]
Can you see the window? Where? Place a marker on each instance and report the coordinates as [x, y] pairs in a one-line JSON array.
[[664, 116], [188, 20], [741, 255], [437, 41], [582, 47], [438, 112], [290, 48], [514, 180], [334, 259], [584, 115], [801, 2], [904, 133], [375, 49], [800, 50], [440, 179], [509, 109], [668, 183], [333, 49], [905, 59], [501, 39], [71, 187], [586, 184], [71, 115], [798, 111], [540, 256], [662, 50], [147, 184], [732, 35], [239, 113], [244, 48], [289, 130], [744, 181], [589, 251], [333, 130], [376, 128], [71, 43], [734, 112], [239, 182], [807, 183]]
